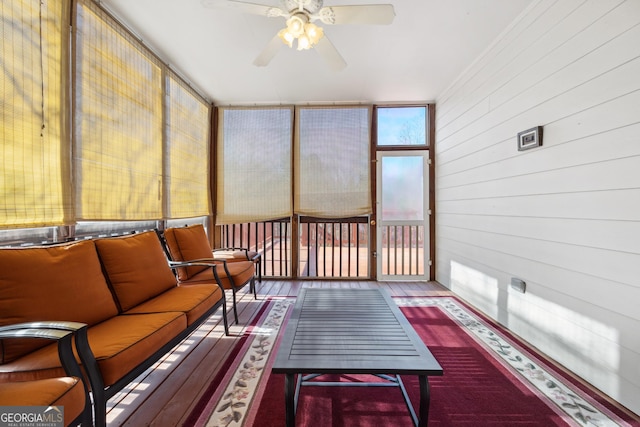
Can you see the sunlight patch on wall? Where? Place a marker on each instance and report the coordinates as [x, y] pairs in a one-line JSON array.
[[587, 346], [476, 287]]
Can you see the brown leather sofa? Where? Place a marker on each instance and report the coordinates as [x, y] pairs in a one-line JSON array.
[[122, 288]]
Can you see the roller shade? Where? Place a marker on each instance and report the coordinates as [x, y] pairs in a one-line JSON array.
[[35, 184], [187, 152], [332, 161], [118, 153], [253, 164]]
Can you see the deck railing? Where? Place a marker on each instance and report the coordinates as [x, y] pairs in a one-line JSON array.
[[402, 250], [330, 248], [271, 238], [326, 248], [336, 248]]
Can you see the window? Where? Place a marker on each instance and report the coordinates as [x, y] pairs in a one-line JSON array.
[[332, 162], [138, 149], [253, 164], [187, 152], [89, 229], [34, 177], [141, 135], [401, 126], [118, 122], [403, 189]]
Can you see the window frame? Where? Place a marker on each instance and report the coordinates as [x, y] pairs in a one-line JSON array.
[[403, 147]]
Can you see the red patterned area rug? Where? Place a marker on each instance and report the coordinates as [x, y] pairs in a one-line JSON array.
[[490, 379]]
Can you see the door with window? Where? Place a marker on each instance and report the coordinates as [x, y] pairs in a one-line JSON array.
[[402, 212], [402, 191]]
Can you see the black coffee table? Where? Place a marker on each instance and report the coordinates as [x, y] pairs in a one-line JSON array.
[[352, 331]]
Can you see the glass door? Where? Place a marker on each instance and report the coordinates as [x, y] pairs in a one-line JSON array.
[[402, 211]]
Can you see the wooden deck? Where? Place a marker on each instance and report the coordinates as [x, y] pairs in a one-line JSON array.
[[165, 395]]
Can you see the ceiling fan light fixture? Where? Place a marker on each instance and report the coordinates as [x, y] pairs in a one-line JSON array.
[[303, 42], [300, 29], [300, 16], [295, 25], [286, 37], [313, 32]]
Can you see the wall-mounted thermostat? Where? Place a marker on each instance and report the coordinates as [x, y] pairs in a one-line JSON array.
[[518, 284], [530, 138]]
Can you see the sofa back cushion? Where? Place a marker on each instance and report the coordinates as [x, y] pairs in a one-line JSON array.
[[136, 267], [61, 282], [186, 244]]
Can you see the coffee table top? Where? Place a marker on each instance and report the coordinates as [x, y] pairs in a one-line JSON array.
[[357, 331]]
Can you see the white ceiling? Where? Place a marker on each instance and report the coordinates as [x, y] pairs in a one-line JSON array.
[[414, 59]]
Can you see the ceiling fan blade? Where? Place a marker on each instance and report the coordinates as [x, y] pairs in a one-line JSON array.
[[377, 14], [244, 7], [330, 54], [268, 52]]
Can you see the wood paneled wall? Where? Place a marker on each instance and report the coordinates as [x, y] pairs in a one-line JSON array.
[[563, 217]]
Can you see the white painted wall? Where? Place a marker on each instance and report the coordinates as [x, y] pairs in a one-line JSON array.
[[564, 217]]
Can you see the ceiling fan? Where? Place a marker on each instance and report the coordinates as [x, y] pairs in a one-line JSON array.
[[300, 16]]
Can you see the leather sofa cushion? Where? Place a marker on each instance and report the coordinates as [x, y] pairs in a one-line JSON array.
[[136, 266], [186, 244], [65, 391], [60, 282]]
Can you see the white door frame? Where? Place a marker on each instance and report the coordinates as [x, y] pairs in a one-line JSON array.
[[382, 223]]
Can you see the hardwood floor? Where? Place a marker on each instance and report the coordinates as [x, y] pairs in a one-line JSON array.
[[165, 395]]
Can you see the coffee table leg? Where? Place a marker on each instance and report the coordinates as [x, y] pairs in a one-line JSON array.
[[424, 400], [289, 401]]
